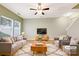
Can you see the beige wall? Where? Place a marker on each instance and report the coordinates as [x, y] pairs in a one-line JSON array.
[[9, 14], [74, 29], [55, 26]]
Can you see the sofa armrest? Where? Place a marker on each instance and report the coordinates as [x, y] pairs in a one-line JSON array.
[[5, 47]]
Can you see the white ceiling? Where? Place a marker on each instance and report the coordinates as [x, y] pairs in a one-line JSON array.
[[56, 9]]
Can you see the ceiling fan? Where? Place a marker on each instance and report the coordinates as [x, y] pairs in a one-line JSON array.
[[39, 9]]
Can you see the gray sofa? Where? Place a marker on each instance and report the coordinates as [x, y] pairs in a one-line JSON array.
[[10, 48]]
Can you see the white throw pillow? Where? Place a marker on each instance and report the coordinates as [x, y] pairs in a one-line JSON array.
[[19, 38], [61, 37], [73, 41]]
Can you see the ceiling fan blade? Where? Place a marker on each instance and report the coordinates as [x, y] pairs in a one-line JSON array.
[[32, 9], [45, 9], [42, 13], [35, 13]]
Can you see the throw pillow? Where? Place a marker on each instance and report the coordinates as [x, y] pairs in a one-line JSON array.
[[19, 38], [12, 39], [73, 41], [61, 38], [66, 37], [15, 39]]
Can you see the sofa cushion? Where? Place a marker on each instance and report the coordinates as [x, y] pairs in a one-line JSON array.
[[15, 39], [12, 39], [6, 39], [19, 38], [23, 42], [17, 45]]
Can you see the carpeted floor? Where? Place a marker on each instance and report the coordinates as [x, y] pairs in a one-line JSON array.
[[53, 50]]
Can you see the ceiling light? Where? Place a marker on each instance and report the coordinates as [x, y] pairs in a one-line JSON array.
[[39, 11]]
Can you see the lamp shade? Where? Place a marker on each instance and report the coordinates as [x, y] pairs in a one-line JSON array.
[[23, 33]]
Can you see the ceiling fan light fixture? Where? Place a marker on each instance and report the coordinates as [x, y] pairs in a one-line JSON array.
[[39, 11]]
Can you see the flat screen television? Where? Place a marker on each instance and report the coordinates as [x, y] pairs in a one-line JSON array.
[[41, 30]]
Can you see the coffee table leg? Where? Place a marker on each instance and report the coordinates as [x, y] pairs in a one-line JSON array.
[[33, 53], [45, 53]]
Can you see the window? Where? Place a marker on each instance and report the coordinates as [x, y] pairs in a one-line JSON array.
[[16, 25], [9, 26], [6, 25], [5, 22]]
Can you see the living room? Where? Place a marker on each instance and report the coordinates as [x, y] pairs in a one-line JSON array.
[[25, 30]]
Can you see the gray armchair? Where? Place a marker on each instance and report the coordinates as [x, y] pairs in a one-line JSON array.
[[64, 42]]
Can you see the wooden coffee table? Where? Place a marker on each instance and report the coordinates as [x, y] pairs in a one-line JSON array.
[[41, 48]]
